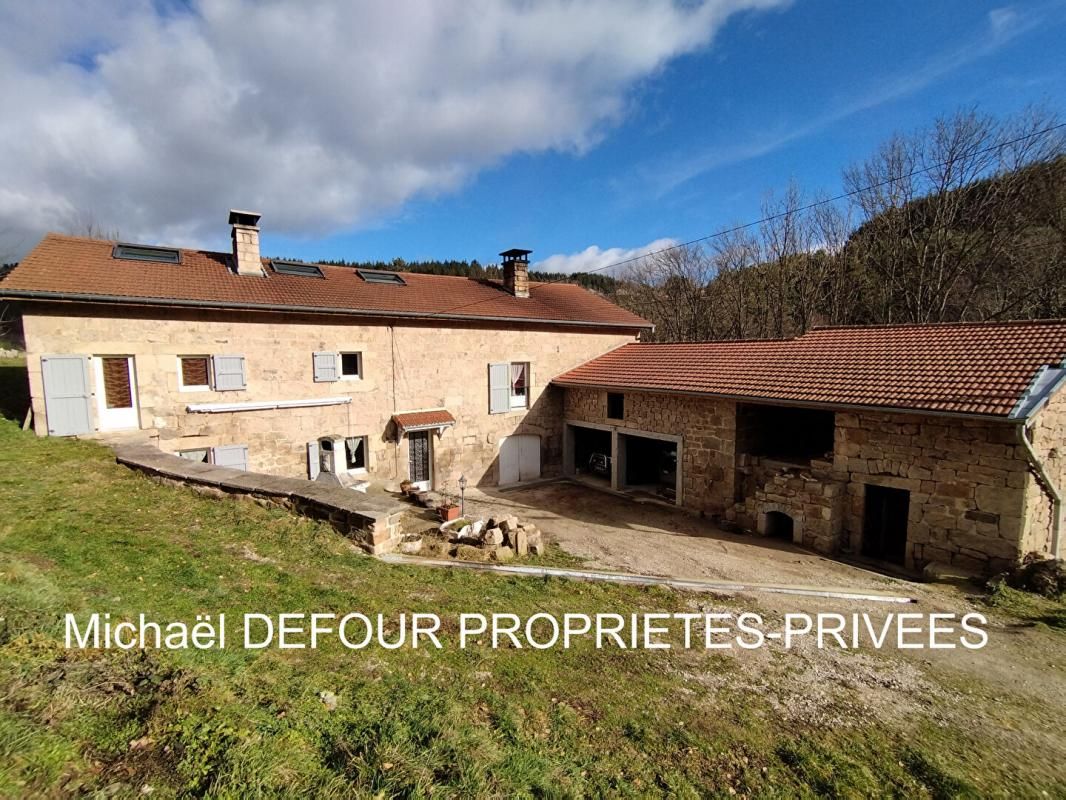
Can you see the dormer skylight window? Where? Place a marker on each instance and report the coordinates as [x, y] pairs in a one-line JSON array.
[[376, 276], [144, 252], [296, 268]]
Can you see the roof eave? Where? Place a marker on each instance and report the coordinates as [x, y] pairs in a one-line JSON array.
[[782, 402], [71, 297]]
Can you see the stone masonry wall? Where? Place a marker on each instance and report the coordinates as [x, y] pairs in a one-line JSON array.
[[813, 496], [706, 426], [971, 491], [406, 367], [967, 482], [1048, 434]]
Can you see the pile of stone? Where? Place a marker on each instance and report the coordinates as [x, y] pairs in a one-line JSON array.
[[500, 538]]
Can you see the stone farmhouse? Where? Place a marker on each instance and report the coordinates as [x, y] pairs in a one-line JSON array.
[[903, 445], [305, 370]]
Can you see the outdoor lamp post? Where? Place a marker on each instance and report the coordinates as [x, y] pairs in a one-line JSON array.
[[462, 495]]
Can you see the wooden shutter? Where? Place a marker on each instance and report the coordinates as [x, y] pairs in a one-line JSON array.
[[117, 390], [195, 371], [314, 466], [66, 394], [229, 373], [234, 456], [499, 388], [327, 367]]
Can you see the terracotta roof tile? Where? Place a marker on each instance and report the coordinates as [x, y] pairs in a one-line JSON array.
[[434, 418], [67, 265], [971, 368]]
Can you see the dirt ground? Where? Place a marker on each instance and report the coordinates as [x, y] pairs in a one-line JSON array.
[[1014, 688], [613, 532]]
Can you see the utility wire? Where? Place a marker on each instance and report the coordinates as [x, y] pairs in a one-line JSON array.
[[772, 217]]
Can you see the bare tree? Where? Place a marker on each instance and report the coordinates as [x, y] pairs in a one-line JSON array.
[[85, 222], [942, 210]]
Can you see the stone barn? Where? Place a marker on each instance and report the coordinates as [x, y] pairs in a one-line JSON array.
[[904, 445]]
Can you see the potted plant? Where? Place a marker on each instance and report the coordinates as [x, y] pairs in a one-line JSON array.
[[448, 508]]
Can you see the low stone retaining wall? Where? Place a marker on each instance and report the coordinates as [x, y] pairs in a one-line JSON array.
[[373, 523]]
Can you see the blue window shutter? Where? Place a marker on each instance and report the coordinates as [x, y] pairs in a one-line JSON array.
[[327, 367], [234, 456], [499, 388], [229, 373], [66, 394], [314, 466]]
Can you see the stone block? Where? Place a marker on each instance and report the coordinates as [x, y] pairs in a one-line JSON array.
[[503, 553]]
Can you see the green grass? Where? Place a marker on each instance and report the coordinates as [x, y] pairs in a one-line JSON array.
[[81, 534]]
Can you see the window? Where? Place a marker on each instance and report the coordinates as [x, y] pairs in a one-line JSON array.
[[351, 365], [329, 367], [616, 405], [296, 268], [373, 276], [201, 454], [519, 385], [142, 252], [509, 386], [355, 450], [194, 373]]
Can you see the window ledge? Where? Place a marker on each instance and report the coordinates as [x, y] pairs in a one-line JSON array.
[[265, 405]]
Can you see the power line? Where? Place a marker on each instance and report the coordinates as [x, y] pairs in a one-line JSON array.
[[772, 217]]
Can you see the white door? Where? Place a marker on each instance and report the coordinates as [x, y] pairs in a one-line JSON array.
[[116, 392], [519, 459], [67, 394]]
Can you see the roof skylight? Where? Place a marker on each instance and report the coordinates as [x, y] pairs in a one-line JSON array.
[[296, 268], [144, 252], [375, 276]]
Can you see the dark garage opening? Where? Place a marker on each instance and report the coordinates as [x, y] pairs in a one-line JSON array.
[[884, 528], [592, 453], [779, 525], [785, 433], [650, 465]]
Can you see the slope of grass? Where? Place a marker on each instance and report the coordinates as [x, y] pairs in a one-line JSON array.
[[81, 534]]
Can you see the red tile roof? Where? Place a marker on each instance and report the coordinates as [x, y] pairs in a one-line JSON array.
[[969, 368], [77, 268], [415, 420]]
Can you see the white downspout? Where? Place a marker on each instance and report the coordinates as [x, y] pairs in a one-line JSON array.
[[1052, 489]]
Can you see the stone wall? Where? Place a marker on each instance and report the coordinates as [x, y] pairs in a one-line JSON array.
[[406, 367], [812, 495], [1048, 434], [971, 491], [966, 481], [706, 426]]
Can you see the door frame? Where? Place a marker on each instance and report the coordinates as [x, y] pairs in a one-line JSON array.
[[115, 419], [426, 484]]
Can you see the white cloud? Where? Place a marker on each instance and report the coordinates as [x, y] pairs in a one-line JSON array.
[[156, 118], [593, 258]]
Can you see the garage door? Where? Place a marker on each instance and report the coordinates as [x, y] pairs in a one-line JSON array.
[[519, 458]]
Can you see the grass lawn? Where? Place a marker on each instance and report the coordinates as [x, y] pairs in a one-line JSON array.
[[81, 534]]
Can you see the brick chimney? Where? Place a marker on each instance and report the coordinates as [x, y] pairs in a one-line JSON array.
[[516, 271], [246, 242]]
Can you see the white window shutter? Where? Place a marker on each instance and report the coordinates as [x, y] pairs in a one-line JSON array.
[[229, 373], [327, 367], [499, 388], [314, 465], [234, 456]]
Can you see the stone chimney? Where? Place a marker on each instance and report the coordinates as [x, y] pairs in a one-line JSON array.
[[516, 271], [246, 259]]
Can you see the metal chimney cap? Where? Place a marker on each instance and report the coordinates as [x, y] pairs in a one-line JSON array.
[[238, 217]]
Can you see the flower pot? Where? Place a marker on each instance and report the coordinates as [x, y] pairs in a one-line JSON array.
[[448, 513]]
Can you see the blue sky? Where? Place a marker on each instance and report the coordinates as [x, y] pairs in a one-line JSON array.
[[707, 137], [585, 130]]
